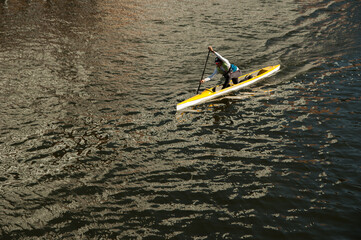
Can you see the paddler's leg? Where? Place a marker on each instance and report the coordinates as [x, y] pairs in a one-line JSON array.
[[226, 82], [235, 76]]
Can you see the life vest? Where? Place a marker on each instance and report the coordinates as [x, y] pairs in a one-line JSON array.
[[224, 70]]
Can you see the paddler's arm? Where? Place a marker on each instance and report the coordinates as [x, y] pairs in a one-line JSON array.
[[225, 60], [210, 77]]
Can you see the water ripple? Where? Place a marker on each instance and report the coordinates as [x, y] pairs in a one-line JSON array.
[[92, 146]]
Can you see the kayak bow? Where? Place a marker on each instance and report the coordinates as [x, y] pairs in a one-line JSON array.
[[214, 92]]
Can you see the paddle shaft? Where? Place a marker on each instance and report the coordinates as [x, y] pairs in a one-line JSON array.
[[205, 65]]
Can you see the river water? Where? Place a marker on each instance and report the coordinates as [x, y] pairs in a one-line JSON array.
[[92, 147]]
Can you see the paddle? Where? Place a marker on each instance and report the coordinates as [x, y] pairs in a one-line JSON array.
[[205, 65]]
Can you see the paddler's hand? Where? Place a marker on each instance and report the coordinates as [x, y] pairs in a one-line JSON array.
[[202, 81], [211, 49]]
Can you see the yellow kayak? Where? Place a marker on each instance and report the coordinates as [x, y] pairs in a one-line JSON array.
[[215, 92]]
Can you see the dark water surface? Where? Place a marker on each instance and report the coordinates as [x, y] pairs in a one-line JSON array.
[[91, 146]]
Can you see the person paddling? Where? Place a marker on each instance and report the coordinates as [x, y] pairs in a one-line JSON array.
[[224, 67]]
